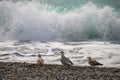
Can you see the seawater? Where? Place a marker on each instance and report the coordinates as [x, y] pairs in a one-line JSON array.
[[56, 20]]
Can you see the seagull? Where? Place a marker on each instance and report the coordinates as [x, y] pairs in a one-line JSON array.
[[40, 60], [93, 62], [65, 61]]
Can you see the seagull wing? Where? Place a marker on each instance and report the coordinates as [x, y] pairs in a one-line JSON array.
[[96, 63], [68, 61]]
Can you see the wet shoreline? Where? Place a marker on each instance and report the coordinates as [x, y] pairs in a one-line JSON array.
[[28, 71]]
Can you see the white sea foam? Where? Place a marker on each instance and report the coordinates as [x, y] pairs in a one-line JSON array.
[[104, 52], [29, 20]]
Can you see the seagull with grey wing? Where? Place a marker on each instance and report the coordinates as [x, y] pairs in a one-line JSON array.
[[65, 61], [93, 62]]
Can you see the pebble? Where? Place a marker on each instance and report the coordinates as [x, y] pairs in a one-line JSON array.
[[27, 71]]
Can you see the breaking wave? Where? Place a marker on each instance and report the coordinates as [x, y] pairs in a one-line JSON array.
[[36, 20]]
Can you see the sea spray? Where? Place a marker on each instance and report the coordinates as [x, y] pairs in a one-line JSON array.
[[31, 20]]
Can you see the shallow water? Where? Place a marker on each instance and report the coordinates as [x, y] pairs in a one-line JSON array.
[[104, 52]]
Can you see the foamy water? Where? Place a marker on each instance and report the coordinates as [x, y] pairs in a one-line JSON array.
[[104, 52], [34, 20]]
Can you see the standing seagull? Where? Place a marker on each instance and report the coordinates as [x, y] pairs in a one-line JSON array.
[[40, 60], [65, 61], [93, 62]]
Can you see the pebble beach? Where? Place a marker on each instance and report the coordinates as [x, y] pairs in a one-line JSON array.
[[59, 39], [32, 71]]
